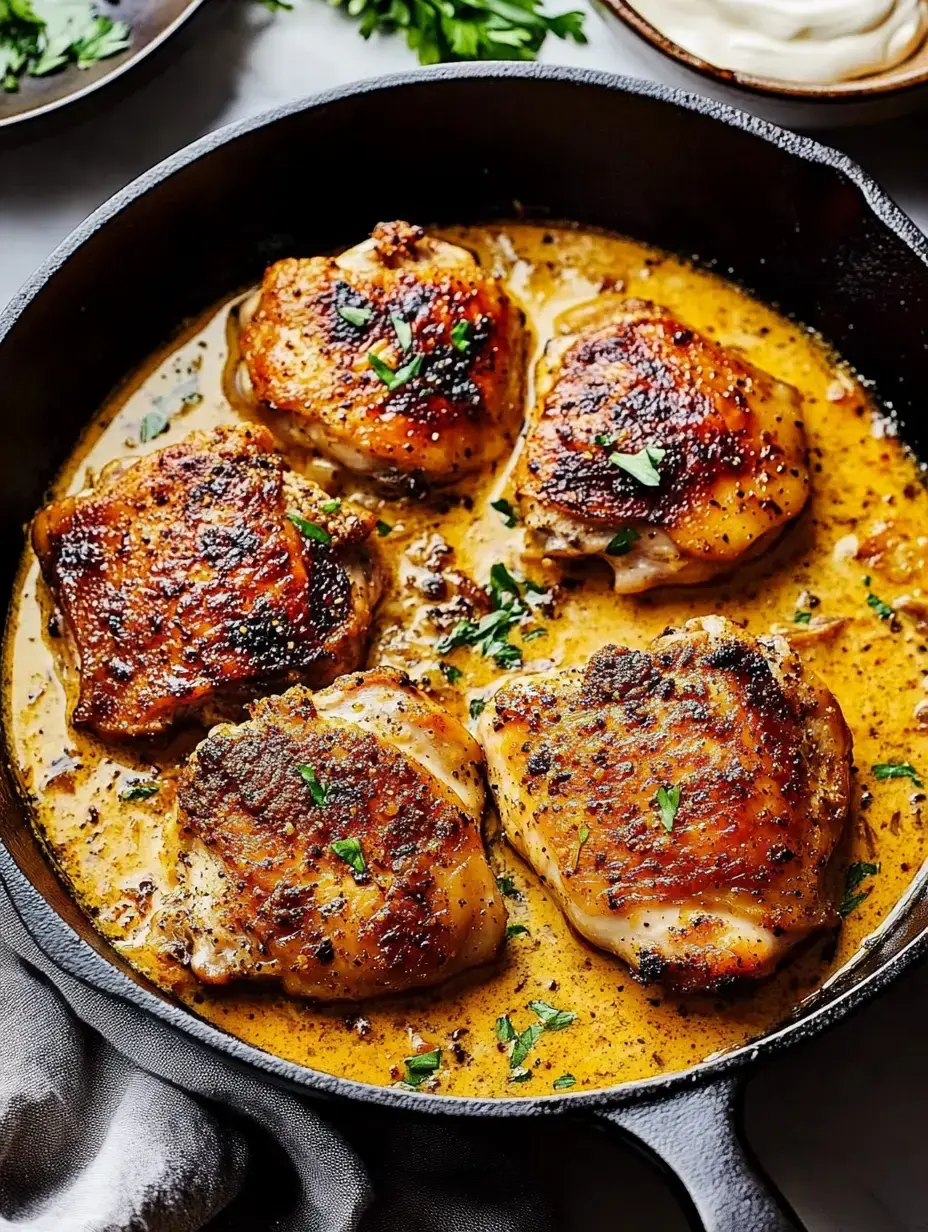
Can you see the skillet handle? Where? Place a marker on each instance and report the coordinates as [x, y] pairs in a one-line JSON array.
[[698, 1136]]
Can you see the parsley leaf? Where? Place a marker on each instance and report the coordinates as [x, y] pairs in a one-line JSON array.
[[332, 506], [507, 887], [138, 789], [505, 1031], [152, 425], [421, 1066], [383, 529], [440, 30], [477, 707], [621, 544], [564, 1082], [354, 315], [856, 873], [402, 329], [516, 930], [351, 851], [641, 465], [897, 770], [41, 40], [604, 439], [582, 835], [524, 1042], [531, 634], [883, 610], [451, 673], [668, 801], [509, 515], [322, 796], [462, 333], [394, 379], [310, 529], [552, 1019], [802, 617]]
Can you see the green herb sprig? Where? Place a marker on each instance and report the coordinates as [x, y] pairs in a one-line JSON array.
[[40, 38], [855, 875], [442, 30]]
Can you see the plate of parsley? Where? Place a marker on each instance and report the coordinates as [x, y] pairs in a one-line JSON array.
[[55, 51]]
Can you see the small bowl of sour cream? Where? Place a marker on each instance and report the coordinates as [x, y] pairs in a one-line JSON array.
[[806, 63]]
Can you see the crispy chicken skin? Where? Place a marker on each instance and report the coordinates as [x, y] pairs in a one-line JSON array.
[[185, 585], [269, 896], [760, 753], [733, 472], [460, 408]]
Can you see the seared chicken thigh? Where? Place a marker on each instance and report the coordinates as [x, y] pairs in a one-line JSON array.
[[336, 846], [400, 358], [656, 448], [682, 803], [204, 574]]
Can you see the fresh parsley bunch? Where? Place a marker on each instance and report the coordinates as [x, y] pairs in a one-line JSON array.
[[41, 37], [439, 30]]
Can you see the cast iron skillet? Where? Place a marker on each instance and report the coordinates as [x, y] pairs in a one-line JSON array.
[[796, 223]]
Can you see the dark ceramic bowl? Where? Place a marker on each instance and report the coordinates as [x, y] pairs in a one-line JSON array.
[[151, 21], [881, 96], [797, 223]]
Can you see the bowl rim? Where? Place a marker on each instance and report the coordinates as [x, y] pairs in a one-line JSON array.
[[118, 69], [67, 950], [857, 90]]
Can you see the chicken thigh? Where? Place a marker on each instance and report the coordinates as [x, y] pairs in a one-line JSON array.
[[400, 358], [200, 576], [335, 844], [681, 803], [656, 448]]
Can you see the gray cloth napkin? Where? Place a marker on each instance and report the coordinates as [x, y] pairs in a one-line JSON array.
[[108, 1127]]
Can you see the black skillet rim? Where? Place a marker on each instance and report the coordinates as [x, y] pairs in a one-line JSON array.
[[65, 947]]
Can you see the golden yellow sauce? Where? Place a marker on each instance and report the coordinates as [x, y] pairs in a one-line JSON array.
[[119, 855]]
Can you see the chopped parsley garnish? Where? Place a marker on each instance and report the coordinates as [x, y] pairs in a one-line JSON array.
[[519, 1074], [668, 801], [310, 529], [321, 795], [883, 610], [509, 515], [477, 707], [155, 422], [451, 673], [897, 770], [621, 543], [462, 333], [582, 835], [489, 634], [505, 1031], [351, 851], [564, 1083], [604, 439], [42, 37], [394, 379], [524, 1042], [531, 634], [383, 529], [552, 1019], [802, 617], [856, 873], [332, 506], [507, 887], [442, 30], [356, 316], [139, 789], [422, 1066], [516, 930], [402, 329], [641, 465]]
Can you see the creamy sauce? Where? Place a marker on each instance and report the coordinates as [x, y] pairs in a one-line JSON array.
[[803, 41], [119, 856]]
